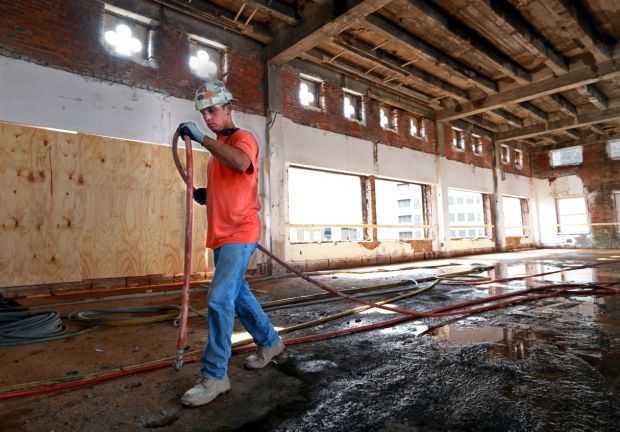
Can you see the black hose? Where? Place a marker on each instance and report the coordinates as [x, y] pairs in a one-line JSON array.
[[38, 327]]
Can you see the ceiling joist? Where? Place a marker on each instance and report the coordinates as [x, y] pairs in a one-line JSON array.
[[324, 24], [559, 125], [573, 79]]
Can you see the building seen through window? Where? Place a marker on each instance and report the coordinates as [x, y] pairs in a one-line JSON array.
[[466, 210]]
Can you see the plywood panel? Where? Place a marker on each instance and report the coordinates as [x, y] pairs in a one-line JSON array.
[[76, 207]]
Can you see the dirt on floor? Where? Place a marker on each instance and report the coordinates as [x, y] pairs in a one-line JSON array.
[[548, 365]]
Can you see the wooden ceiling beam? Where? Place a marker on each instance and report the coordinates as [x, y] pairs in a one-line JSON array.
[[467, 36], [470, 126], [320, 26], [367, 51], [594, 95], [594, 139], [566, 106], [585, 119], [221, 17], [533, 109], [579, 14], [387, 29], [504, 10], [276, 9], [573, 79]]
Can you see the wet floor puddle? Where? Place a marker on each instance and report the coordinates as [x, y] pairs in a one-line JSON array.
[[506, 342]]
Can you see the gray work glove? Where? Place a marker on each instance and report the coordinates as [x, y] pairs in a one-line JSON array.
[[191, 130]]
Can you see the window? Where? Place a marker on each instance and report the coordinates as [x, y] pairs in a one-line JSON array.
[[458, 139], [613, 148], [388, 118], [205, 57], [405, 235], [567, 156], [476, 145], [416, 127], [394, 207], [519, 158], [572, 215], [466, 215], [513, 217], [327, 199], [617, 200], [505, 154], [353, 107], [126, 34], [309, 92]]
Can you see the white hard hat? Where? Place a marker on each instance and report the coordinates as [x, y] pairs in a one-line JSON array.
[[212, 93]]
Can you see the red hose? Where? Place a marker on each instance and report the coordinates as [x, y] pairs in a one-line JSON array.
[[187, 263], [600, 289]]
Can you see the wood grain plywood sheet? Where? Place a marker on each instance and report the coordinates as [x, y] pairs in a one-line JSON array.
[[76, 207], [34, 217]]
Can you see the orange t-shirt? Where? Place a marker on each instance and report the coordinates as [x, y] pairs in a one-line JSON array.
[[232, 197]]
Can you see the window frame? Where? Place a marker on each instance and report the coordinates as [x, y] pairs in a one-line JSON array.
[[610, 149], [518, 159], [477, 145], [505, 154], [616, 198], [458, 139], [146, 57], [359, 98], [552, 152], [392, 117], [587, 229], [317, 84], [460, 212], [420, 128], [195, 40]]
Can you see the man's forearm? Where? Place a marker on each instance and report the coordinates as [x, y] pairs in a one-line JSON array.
[[229, 156]]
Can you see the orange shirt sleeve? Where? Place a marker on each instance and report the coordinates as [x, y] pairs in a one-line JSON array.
[[247, 143]]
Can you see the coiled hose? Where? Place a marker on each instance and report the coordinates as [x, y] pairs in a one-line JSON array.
[[27, 328]]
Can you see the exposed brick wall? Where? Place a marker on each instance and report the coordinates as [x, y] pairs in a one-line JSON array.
[[511, 167], [485, 160], [66, 35], [601, 178], [331, 117]]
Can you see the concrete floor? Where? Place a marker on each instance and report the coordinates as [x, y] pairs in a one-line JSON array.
[[552, 365]]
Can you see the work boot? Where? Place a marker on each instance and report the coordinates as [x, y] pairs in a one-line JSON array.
[[263, 356], [206, 389]]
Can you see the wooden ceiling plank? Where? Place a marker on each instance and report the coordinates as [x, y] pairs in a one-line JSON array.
[[595, 96], [585, 119], [385, 28], [469, 37], [326, 23], [362, 49], [583, 141], [275, 9], [566, 106], [580, 15], [573, 79], [511, 16]]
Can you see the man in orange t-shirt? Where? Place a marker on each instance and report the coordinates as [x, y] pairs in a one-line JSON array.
[[233, 231]]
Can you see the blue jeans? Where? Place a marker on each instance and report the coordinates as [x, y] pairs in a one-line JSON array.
[[229, 292]]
